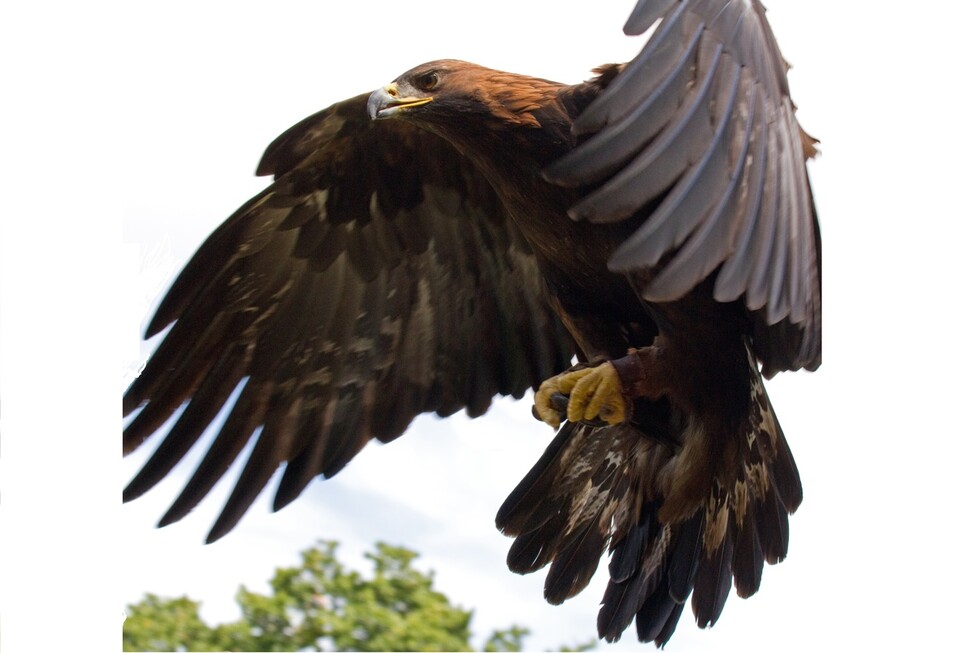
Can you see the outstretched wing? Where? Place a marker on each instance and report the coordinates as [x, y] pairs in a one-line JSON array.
[[698, 135], [375, 279]]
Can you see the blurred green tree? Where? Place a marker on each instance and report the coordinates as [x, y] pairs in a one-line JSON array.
[[320, 605]]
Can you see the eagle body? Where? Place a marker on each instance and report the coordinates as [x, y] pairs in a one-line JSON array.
[[463, 232], [702, 406], [703, 341], [511, 146]]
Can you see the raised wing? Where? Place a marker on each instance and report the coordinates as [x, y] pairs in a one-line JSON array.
[[375, 279], [698, 137]]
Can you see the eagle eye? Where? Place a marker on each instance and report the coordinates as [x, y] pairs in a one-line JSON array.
[[427, 81]]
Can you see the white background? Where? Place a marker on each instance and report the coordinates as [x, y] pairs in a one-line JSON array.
[[130, 132]]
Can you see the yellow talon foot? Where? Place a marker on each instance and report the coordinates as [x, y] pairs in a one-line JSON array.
[[594, 393]]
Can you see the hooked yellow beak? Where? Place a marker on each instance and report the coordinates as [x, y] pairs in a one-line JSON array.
[[386, 102]]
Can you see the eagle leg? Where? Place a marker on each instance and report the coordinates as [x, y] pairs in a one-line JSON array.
[[603, 392]]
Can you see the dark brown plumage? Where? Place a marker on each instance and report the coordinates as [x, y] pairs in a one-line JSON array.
[[484, 227]]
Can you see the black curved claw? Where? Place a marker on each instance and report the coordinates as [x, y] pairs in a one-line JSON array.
[[560, 402]]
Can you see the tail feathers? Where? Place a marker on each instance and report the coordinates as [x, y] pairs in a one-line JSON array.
[[713, 582], [685, 560], [576, 561], [656, 595], [595, 488], [637, 571], [562, 511], [657, 619]]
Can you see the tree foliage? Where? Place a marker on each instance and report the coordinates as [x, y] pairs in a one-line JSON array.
[[321, 605]]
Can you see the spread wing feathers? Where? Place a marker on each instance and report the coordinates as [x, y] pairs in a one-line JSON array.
[[377, 278], [697, 138], [601, 488]]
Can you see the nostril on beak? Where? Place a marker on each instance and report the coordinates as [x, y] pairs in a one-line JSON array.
[[391, 90]]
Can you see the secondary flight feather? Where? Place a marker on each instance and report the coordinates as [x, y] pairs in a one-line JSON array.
[[462, 233]]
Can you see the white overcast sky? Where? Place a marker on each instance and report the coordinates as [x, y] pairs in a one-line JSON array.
[[130, 132]]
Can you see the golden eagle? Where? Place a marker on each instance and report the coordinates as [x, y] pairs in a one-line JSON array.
[[464, 232]]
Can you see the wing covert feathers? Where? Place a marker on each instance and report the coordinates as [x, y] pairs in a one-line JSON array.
[[376, 278]]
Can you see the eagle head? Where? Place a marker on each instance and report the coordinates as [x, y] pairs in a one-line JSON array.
[[445, 89], [414, 89]]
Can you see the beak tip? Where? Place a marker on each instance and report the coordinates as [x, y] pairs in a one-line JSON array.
[[386, 103], [375, 103]]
